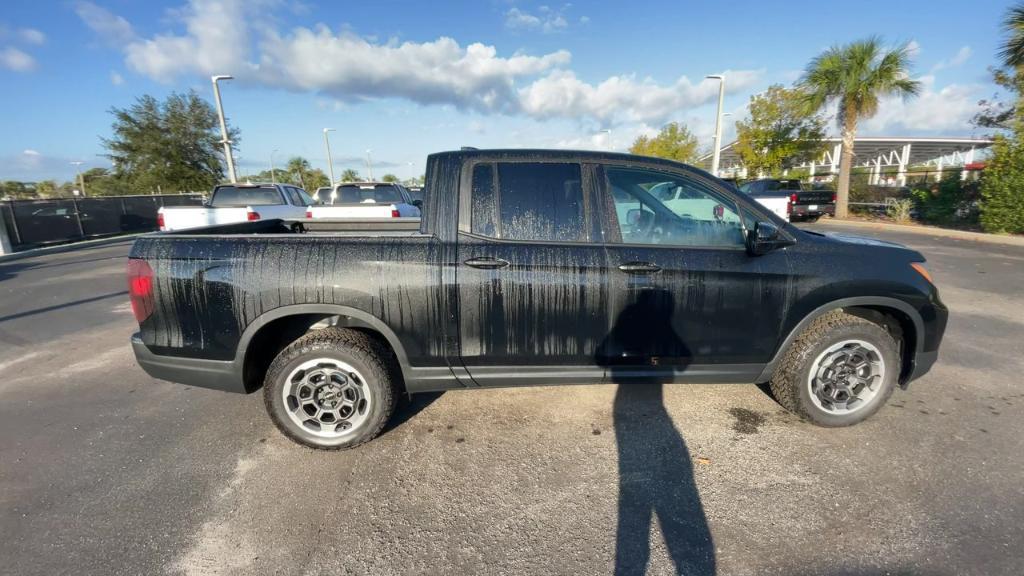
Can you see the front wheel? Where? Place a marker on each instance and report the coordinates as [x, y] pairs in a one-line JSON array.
[[331, 389], [839, 371]]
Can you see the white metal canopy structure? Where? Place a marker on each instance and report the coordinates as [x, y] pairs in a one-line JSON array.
[[877, 153]]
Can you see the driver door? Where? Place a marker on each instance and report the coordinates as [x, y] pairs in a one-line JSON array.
[[685, 297]]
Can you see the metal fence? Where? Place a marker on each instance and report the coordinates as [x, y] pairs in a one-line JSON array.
[[32, 223]]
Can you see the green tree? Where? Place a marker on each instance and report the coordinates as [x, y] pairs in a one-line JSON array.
[[674, 141], [15, 189], [389, 178], [169, 145], [1012, 50], [854, 77], [316, 179], [46, 188], [350, 175], [298, 169], [780, 132], [1002, 185]]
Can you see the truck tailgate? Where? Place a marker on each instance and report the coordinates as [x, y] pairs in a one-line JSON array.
[[180, 218], [368, 210]]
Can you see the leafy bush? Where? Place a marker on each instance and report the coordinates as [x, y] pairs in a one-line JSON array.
[[899, 209], [1002, 186], [949, 201]]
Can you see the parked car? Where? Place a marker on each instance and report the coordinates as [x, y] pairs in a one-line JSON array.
[[791, 200], [368, 200], [322, 195], [232, 203], [528, 268]]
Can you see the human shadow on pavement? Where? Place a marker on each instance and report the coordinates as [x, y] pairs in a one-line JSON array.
[[655, 468]]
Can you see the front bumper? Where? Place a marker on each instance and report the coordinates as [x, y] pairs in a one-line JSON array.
[[215, 374]]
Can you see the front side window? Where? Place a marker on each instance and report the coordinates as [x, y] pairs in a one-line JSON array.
[[654, 207], [528, 201]]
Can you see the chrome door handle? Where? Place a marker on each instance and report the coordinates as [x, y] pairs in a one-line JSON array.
[[639, 267], [486, 263]]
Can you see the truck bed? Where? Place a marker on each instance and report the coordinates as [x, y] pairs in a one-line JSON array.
[[318, 226]]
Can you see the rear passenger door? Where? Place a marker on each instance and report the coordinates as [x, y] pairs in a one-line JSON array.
[[532, 295]]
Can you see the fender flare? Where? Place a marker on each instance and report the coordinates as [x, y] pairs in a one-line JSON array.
[[879, 301], [329, 309]]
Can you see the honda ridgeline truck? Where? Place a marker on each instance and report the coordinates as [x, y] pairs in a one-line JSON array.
[[533, 268]]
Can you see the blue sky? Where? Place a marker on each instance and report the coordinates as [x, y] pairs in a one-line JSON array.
[[405, 79]]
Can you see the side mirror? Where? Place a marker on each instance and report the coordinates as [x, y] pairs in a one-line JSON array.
[[418, 203], [764, 238]]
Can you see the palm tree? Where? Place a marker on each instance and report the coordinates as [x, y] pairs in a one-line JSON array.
[[298, 167], [854, 77], [1012, 51], [350, 175]]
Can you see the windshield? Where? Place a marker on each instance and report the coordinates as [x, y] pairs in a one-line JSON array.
[[368, 194], [773, 185], [245, 196]]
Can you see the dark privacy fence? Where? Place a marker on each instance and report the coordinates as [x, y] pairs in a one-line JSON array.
[[36, 222]]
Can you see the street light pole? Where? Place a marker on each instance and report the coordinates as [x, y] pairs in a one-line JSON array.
[[78, 169], [224, 127], [718, 123], [611, 143], [369, 164], [273, 178], [330, 162]]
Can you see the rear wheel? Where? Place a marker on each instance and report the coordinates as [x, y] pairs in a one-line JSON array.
[[331, 389], [813, 219], [839, 371]]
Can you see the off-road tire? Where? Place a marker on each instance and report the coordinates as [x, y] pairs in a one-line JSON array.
[[375, 363], [789, 382]]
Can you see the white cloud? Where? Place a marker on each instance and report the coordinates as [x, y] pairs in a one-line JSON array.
[[32, 36], [547, 20], [342, 66], [110, 27], [562, 94], [116, 79], [16, 60], [438, 72], [961, 56], [913, 48], [946, 110], [31, 152]]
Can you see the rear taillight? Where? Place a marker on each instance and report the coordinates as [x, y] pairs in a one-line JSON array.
[[833, 198], [252, 216], [395, 214], [309, 213], [140, 288], [789, 207], [160, 221], [792, 198]]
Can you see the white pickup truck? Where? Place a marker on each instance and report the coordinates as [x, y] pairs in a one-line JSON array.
[[232, 203], [367, 200]]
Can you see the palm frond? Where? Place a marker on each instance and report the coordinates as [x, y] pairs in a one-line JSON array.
[[1012, 50]]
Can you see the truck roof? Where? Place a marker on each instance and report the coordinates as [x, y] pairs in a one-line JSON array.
[[563, 155]]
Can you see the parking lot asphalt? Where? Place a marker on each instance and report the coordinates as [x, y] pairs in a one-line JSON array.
[[104, 470]]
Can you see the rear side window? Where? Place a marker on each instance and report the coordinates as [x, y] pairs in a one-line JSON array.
[[245, 196], [529, 201]]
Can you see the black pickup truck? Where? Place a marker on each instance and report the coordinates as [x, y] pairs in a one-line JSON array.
[[533, 268]]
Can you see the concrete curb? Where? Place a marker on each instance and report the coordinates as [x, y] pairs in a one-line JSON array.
[[929, 231], [84, 244]]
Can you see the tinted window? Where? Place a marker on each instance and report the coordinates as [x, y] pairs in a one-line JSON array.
[[660, 208], [483, 206], [245, 196], [540, 201], [368, 193], [306, 198]]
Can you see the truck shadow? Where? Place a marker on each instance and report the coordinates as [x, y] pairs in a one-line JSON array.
[[655, 468]]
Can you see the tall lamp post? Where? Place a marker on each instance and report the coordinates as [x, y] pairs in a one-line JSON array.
[[330, 162], [78, 169], [369, 164], [224, 127], [273, 177], [611, 143], [716, 155]]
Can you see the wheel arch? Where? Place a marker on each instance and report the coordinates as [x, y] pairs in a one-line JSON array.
[[273, 330], [899, 317]]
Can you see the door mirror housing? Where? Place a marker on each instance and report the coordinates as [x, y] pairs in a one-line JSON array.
[[417, 203], [764, 238]]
